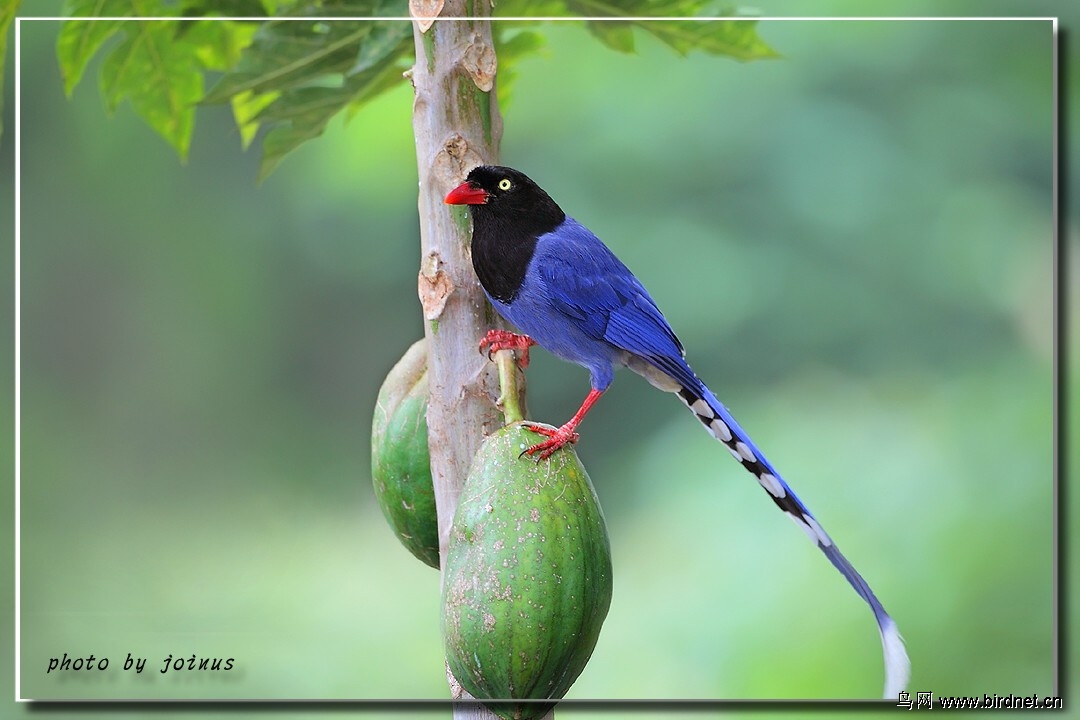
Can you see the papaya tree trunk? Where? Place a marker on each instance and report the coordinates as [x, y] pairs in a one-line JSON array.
[[457, 126]]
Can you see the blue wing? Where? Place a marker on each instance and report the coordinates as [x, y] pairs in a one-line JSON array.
[[592, 290]]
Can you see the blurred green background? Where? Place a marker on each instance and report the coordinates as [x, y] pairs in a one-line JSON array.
[[854, 243]]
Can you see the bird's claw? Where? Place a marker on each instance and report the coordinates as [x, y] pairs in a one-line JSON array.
[[557, 438], [497, 340]]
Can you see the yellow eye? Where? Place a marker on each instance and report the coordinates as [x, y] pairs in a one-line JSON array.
[[504, 184]]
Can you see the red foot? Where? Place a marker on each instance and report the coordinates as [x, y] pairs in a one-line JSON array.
[[564, 435], [497, 340], [556, 439]]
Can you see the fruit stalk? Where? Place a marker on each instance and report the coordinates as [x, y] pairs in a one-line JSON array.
[[511, 397]]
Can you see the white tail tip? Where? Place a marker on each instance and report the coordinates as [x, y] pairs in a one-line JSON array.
[[897, 664]]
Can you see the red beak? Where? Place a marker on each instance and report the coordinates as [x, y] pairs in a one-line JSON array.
[[466, 194]]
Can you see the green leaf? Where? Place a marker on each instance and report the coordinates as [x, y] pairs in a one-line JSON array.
[[291, 75], [302, 114], [295, 76], [246, 108], [737, 39], [387, 77], [384, 39], [308, 105], [616, 34], [7, 15], [306, 113], [80, 40], [218, 44], [224, 8], [286, 54], [154, 69], [160, 77], [734, 38]]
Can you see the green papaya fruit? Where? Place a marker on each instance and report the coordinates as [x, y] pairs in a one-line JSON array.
[[400, 464], [527, 581]]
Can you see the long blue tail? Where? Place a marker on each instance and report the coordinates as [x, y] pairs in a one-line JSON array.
[[721, 425]]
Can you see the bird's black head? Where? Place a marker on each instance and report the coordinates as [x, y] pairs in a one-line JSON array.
[[495, 191], [509, 212]]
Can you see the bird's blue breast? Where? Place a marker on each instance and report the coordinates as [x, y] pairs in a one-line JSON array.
[[582, 304]]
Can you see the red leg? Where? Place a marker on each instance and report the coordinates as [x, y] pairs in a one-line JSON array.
[[566, 434], [496, 340]]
